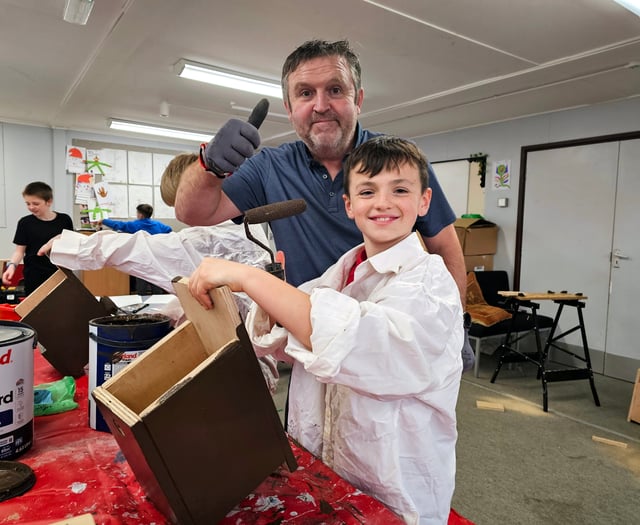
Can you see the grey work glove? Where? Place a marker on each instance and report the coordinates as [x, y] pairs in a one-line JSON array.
[[232, 144]]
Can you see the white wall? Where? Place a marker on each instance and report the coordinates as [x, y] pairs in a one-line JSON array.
[[503, 141], [31, 153], [27, 155]]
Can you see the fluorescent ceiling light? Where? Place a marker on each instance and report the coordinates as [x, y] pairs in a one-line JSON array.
[[148, 129], [242, 109], [77, 11], [226, 78], [631, 5]]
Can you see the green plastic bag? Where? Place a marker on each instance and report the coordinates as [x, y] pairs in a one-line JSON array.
[[53, 398]]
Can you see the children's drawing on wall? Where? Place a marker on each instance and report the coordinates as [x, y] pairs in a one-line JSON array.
[[84, 188], [120, 201], [96, 212], [103, 193], [75, 159], [501, 175], [99, 161], [117, 173], [103, 203]]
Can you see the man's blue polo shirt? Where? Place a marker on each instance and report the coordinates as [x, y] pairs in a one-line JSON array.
[[315, 239]]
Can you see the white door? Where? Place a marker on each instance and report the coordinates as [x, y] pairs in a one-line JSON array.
[[454, 180], [568, 220], [460, 181], [581, 204], [624, 317]]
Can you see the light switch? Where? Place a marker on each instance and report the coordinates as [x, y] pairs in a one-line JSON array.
[[503, 202]]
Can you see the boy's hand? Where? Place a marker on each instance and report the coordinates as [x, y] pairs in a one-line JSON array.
[[212, 273], [7, 276]]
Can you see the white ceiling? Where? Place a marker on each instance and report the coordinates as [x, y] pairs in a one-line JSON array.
[[428, 65]]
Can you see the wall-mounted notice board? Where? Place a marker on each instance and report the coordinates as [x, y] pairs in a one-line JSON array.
[[110, 180]]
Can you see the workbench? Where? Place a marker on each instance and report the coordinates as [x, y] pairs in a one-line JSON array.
[[509, 352], [80, 470]]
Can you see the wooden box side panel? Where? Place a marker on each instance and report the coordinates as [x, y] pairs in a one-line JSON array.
[[158, 369], [61, 320], [34, 298], [142, 456], [215, 436], [269, 410], [216, 327]]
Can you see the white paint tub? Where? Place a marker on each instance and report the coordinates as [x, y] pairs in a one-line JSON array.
[[17, 343]]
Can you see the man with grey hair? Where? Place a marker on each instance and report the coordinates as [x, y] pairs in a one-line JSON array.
[[323, 96]]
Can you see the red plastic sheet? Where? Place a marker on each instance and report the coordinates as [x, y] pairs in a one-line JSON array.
[[80, 470]]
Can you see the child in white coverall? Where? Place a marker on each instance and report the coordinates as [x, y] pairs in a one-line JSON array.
[[375, 341], [160, 258]]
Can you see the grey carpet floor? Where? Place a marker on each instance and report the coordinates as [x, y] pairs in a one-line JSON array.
[[525, 466]]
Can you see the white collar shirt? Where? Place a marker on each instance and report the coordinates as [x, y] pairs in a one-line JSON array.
[[376, 397]]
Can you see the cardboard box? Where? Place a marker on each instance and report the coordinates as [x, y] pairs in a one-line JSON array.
[[193, 415], [478, 263], [477, 236], [59, 311], [634, 408]]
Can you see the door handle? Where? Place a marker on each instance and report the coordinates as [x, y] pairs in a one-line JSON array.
[[616, 257]]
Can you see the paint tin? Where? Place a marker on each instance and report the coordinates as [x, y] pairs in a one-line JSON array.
[[114, 342], [17, 343]]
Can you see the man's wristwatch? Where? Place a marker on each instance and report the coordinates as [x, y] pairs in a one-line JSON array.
[[211, 169]]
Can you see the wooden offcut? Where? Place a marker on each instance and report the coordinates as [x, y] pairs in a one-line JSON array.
[[634, 407], [611, 442], [488, 405]]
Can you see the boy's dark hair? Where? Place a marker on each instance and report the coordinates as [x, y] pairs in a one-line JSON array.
[[385, 152], [38, 189], [316, 49], [146, 210]]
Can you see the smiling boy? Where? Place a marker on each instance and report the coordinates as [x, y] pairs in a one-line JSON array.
[[32, 232], [375, 341]]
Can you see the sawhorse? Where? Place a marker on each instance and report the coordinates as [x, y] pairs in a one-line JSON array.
[[510, 354]]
